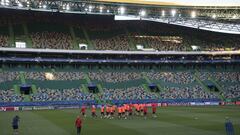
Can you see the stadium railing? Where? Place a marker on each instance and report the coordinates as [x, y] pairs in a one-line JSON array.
[[75, 103]]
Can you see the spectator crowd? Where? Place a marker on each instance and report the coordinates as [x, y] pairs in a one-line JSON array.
[[228, 80], [114, 77], [74, 94], [4, 41], [51, 40], [196, 92], [126, 94], [54, 75], [10, 96], [173, 77]]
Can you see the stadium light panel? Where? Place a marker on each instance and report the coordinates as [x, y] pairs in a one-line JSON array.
[[173, 12], [40, 5], [7, 2], [90, 8], [234, 17], [163, 13], [121, 10], [44, 6], [142, 13], [28, 4], [67, 7], [214, 16], [101, 9], [20, 4], [193, 14]]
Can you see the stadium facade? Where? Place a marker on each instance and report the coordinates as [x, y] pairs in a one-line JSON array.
[[57, 53]]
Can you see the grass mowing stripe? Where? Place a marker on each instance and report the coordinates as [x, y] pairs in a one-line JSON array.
[[30, 124], [205, 120], [65, 119], [153, 127], [170, 121]]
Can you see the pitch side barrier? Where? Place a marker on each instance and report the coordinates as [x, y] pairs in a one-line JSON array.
[[113, 60], [62, 51], [24, 106], [116, 102]]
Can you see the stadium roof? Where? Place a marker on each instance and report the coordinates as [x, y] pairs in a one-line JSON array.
[[223, 3], [121, 52], [217, 15]]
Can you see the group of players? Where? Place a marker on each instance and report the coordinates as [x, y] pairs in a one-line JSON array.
[[122, 111]]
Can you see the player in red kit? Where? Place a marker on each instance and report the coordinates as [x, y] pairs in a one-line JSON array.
[[130, 111], [83, 111], [154, 109], [119, 111], [102, 111], [145, 110], [94, 111], [78, 125]]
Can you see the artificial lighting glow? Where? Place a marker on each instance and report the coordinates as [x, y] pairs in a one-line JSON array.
[[44, 6], [214, 16], [234, 17], [101, 9], [122, 10], [163, 13], [90, 8], [193, 14], [142, 13], [49, 76], [40, 5], [68, 7], [5, 2], [20, 4], [108, 11], [173, 12]]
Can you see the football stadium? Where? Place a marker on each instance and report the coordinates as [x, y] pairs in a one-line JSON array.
[[119, 67]]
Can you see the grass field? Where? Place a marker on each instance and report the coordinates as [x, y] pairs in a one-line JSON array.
[[170, 121]]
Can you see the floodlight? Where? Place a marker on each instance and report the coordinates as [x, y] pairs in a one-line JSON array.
[[20, 4], [101, 9], [67, 7], [163, 13], [173, 12], [234, 17], [214, 16], [142, 13], [90, 8], [44, 6], [193, 14], [122, 10]]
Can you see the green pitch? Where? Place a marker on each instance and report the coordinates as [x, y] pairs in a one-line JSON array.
[[170, 121]]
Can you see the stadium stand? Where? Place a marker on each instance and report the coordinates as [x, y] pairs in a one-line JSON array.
[[122, 85], [232, 91], [126, 94], [57, 31], [10, 96], [173, 77], [3, 41], [54, 76], [54, 40], [196, 92], [114, 77], [61, 95]]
